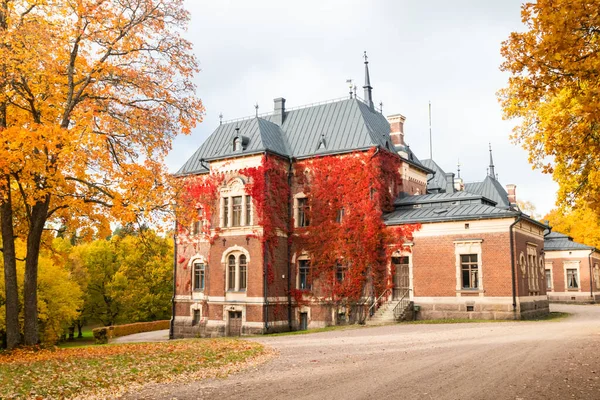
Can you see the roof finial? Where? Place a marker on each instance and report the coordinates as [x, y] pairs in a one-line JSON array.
[[458, 168], [491, 171], [256, 109], [220, 118], [368, 88], [381, 107], [349, 82]]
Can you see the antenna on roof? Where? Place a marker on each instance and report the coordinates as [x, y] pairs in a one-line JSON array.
[[220, 118], [354, 91], [430, 144], [458, 168], [349, 82], [256, 109], [381, 107]]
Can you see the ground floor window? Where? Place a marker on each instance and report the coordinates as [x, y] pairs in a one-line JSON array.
[[572, 279], [304, 275], [597, 275], [196, 317], [548, 279], [199, 276], [470, 271]]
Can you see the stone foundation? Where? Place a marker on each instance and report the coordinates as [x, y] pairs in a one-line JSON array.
[[526, 310], [573, 297]]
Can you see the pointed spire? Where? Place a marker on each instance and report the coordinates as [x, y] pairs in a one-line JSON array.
[[368, 88], [491, 171]]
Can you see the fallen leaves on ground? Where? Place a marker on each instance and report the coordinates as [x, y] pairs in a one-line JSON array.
[[106, 371]]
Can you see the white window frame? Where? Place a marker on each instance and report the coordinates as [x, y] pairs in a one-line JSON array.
[[533, 283], [236, 252], [572, 265], [548, 267], [597, 275], [297, 197], [464, 247], [235, 188]]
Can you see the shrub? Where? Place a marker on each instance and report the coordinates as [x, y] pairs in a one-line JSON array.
[[102, 335]]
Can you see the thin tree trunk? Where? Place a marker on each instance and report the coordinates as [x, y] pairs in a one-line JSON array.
[[39, 213], [13, 331], [79, 326]]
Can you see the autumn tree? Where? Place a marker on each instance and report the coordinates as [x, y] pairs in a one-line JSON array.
[[582, 224], [553, 91], [93, 92]]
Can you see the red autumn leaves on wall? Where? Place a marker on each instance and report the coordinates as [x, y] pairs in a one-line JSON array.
[[347, 241]]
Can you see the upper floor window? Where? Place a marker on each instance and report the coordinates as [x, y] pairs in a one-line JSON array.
[[236, 206], [199, 276], [339, 218], [197, 224], [340, 272], [236, 211], [469, 271], [302, 213]]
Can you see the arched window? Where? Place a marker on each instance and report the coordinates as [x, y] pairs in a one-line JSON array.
[[231, 272], [243, 275], [237, 144]]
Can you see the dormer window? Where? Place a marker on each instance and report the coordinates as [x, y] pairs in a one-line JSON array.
[[237, 144]]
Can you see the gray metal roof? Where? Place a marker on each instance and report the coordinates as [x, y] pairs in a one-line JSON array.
[[443, 213], [455, 197], [490, 188], [439, 179], [344, 125], [555, 241]]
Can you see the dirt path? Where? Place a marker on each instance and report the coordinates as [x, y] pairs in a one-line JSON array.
[[512, 360], [154, 336]]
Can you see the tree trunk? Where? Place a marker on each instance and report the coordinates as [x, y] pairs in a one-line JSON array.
[[39, 213], [79, 326], [13, 331]]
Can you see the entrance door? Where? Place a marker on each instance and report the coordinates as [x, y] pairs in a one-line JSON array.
[[401, 277], [303, 321], [235, 323]]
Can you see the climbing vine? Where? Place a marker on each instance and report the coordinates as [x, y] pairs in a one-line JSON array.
[[348, 242]]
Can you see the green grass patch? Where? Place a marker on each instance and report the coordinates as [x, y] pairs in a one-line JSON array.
[[109, 370]]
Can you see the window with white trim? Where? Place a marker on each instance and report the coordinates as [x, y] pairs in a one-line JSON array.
[[304, 279], [469, 267], [572, 278], [199, 276], [236, 206], [236, 275], [597, 275], [302, 208], [532, 270]]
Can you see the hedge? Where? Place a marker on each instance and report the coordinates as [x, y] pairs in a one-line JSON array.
[[102, 335]]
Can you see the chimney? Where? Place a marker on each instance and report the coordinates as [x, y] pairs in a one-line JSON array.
[[279, 113], [449, 182], [397, 129], [512, 193]]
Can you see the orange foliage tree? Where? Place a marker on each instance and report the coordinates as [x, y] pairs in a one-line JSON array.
[[553, 91], [92, 94]]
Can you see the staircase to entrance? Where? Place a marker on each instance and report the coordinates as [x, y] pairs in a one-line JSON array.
[[399, 308]]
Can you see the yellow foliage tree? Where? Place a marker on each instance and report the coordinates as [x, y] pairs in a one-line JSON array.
[[92, 92], [553, 91], [582, 224]]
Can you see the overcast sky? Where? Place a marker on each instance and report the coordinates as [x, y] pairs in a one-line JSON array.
[[446, 52]]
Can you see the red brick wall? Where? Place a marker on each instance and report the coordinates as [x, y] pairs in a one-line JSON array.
[[558, 273], [521, 240], [434, 265]]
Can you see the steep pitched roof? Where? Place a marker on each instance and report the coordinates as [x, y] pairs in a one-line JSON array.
[[335, 127], [559, 241], [439, 179], [490, 188]]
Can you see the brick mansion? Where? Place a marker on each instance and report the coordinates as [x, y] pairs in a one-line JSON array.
[[242, 265]]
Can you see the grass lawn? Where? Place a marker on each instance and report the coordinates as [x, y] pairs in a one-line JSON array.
[[108, 370], [86, 340]]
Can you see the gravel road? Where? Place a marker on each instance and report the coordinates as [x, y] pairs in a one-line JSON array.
[[507, 360]]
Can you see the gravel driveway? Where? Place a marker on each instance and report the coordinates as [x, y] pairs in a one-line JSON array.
[[508, 360], [154, 336]]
